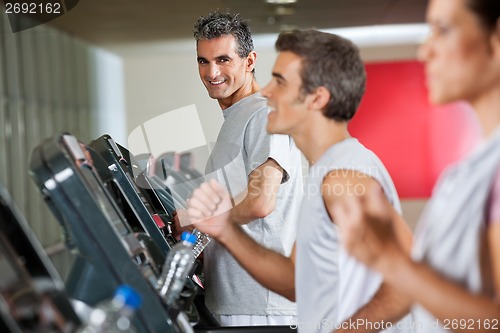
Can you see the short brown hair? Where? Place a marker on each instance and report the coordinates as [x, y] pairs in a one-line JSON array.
[[328, 61]]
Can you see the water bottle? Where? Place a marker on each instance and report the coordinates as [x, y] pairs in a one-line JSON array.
[[202, 241], [115, 315], [179, 262]]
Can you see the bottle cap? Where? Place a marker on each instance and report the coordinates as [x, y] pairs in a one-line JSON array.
[[130, 297], [188, 237]]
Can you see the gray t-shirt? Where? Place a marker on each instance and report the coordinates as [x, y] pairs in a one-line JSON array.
[[452, 228], [330, 284], [243, 145]]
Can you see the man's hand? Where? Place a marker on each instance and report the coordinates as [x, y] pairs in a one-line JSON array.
[[208, 209]]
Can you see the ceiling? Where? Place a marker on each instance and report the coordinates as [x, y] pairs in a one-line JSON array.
[[118, 22]]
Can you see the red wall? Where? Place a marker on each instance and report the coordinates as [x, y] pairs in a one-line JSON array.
[[413, 139]]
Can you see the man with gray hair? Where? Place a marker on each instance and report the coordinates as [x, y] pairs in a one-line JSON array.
[[263, 172]]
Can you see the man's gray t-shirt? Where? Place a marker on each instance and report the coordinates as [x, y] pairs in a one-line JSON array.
[[330, 284], [243, 145]]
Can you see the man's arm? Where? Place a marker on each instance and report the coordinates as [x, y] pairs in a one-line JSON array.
[[257, 201], [210, 210], [260, 198], [387, 305]]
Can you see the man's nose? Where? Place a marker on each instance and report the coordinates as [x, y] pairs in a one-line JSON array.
[[214, 71]]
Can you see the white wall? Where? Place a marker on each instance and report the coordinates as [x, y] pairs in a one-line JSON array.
[[159, 83], [110, 115]]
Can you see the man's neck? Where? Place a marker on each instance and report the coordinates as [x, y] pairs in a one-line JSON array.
[[318, 136], [246, 90]]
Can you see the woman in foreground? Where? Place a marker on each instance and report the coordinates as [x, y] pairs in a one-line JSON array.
[[452, 279]]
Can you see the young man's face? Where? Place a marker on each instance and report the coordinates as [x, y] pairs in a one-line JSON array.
[[288, 108], [221, 69]]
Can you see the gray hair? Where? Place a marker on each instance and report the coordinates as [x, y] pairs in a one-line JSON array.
[[217, 24]]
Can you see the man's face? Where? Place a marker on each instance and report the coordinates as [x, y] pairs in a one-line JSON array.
[[283, 93], [222, 71]]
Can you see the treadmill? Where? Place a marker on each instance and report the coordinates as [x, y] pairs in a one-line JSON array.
[[164, 182], [186, 167], [141, 204], [177, 171], [109, 252], [32, 296]]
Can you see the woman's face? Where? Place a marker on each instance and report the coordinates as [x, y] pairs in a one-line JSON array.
[[462, 59]]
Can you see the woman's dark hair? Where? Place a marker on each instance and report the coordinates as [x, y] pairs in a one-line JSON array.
[[488, 12]]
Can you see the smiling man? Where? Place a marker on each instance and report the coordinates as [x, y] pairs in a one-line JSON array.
[[263, 172], [318, 82]]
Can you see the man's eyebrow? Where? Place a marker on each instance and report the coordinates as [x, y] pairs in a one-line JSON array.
[[278, 76], [223, 56]]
